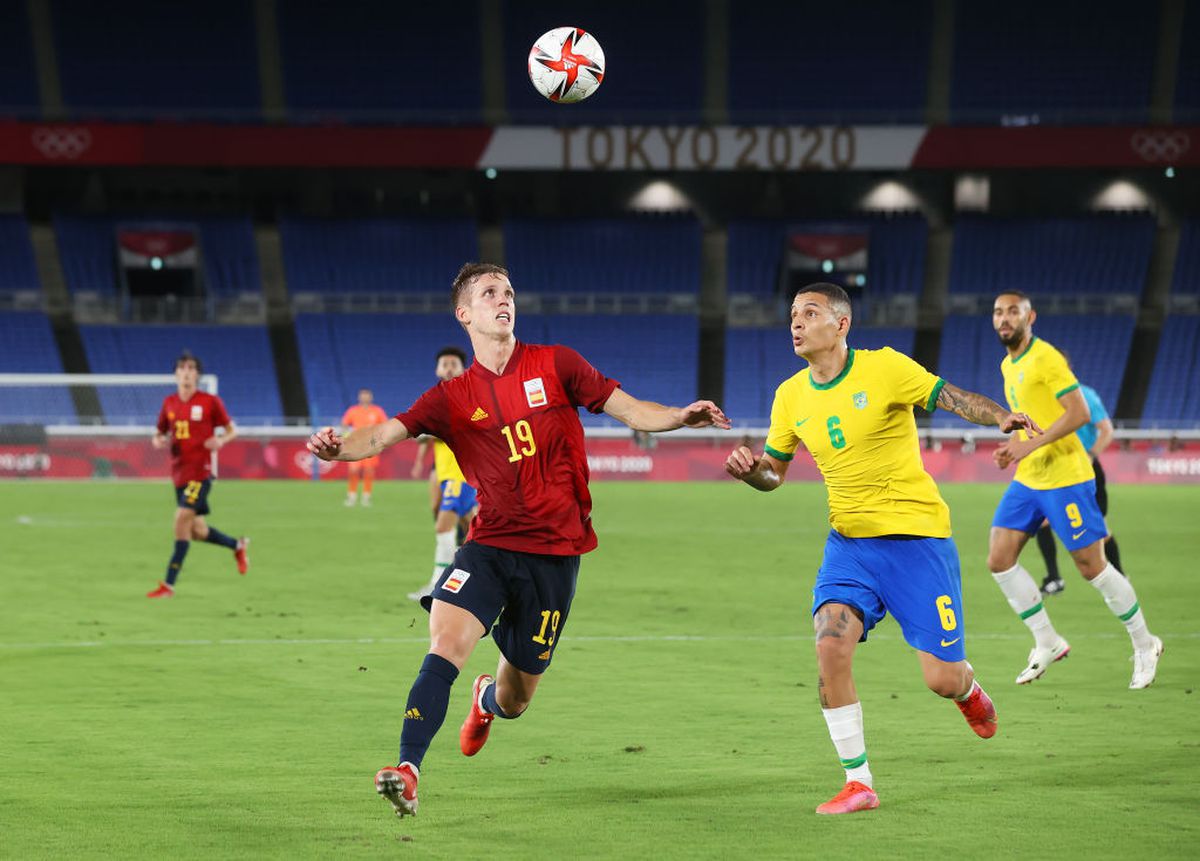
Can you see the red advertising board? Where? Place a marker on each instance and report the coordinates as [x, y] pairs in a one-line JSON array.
[[621, 459]]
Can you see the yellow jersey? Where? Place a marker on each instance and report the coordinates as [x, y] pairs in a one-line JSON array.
[[1033, 383], [444, 463], [860, 430]]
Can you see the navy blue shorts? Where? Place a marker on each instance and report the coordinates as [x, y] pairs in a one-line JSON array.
[[526, 595], [1073, 512], [194, 495], [457, 496], [917, 580]]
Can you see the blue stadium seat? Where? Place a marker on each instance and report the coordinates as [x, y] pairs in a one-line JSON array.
[[1072, 61], [142, 58], [1186, 278], [1100, 254], [18, 74], [375, 255], [1098, 347], [240, 356], [813, 62], [757, 360], [1187, 82], [655, 57], [379, 58], [895, 263], [18, 270], [1174, 396], [648, 254], [27, 346]]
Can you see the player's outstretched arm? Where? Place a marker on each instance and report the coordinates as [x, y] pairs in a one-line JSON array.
[[649, 416], [328, 444], [761, 473], [1075, 415], [982, 410]]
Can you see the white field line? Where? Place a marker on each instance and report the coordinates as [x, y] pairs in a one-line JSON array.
[[388, 641]]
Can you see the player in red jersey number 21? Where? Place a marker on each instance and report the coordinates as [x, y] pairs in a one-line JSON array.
[[512, 422]]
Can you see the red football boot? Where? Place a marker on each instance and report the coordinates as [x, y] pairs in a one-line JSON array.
[[979, 712], [242, 554], [474, 732], [398, 784], [854, 797], [161, 591]]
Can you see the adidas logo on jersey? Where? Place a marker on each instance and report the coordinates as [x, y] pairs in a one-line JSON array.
[[479, 415], [413, 714]]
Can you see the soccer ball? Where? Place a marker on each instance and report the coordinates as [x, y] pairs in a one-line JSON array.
[[566, 64]]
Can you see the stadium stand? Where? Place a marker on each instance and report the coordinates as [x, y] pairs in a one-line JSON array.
[[757, 360], [1100, 254], [658, 50], [18, 74], [141, 59], [377, 255], [843, 61], [27, 346], [379, 58], [18, 271], [1186, 278], [649, 254], [87, 249], [1187, 81], [1098, 346], [895, 263], [1083, 62], [240, 356], [1173, 399]]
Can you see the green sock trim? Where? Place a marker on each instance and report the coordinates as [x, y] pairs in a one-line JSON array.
[[1125, 617], [1035, 608], [856, 762]]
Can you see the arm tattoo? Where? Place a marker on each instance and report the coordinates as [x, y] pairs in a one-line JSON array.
[[374, 444], [971, 406]]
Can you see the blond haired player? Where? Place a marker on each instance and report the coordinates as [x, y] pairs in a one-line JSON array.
[[1054, 481], [889, 549], [364, 414]]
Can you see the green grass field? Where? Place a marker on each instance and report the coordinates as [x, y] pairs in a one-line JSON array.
[[246, 717]]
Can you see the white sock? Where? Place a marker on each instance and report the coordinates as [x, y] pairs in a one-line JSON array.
[[1025, 599], [846, 729], [443, 555], [1122, 600]]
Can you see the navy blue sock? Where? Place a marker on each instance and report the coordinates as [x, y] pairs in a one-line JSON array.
[[490, 704], [428, 699], [216, 536], [181, 549]]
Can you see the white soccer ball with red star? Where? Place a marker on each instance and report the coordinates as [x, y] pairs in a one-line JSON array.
[[566, 64]]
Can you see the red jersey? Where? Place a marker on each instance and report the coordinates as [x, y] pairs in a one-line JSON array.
[[519, 442], [190, 423]]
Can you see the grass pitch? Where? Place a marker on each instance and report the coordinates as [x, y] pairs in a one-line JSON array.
[[246, 717]]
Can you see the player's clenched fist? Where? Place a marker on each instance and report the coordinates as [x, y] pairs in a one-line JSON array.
[[741, 462], [325, 443]]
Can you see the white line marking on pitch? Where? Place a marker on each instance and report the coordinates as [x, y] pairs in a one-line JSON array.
[[388, 641]]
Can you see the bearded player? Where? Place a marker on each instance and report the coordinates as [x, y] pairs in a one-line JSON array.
[[889, 549], [512, 421], [187, 423]]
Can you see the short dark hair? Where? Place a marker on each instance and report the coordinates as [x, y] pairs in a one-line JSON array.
[[452, 351], [1018, 293], [189, 356], [466, 277], [834, 293]]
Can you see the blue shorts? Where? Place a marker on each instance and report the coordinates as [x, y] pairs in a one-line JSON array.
[[194, 495], [457, 496], [526, 595], [1073, 512], [915, 579]]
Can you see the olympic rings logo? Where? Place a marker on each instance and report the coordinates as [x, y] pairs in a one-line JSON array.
[[61, 142], [1160, 145]]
